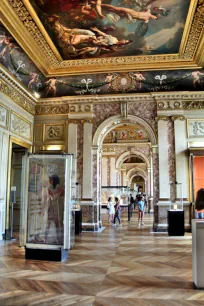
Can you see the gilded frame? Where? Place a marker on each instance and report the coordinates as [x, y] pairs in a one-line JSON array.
[[24, 120], [189, 135], [54, 140], [20, 19], [7, 117]]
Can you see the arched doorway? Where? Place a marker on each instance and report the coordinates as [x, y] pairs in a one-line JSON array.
[[121, 146]]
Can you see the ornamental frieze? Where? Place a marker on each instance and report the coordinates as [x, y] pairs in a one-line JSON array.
[[180, 104], [52, 110], [17, 97]]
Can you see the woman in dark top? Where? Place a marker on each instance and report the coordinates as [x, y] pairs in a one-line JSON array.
[[117, 212]]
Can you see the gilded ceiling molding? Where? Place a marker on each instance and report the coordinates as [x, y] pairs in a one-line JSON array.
[[164, 118], [178, 117], [51, 110], [113, 98], [30, 25], [16, 94], [195, 31], [189, 46]]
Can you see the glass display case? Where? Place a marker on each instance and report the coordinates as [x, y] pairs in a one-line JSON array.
[[178, 203], [77, 197], [46, 217], [122, 192]]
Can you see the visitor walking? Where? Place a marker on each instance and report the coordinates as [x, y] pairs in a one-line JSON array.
[[111, 209], [141, 208], [117, 212]]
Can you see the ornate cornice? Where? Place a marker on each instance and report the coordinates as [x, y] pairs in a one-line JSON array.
[[16, 93], [164, 118], [180, 105], [189, 45], [113, 98], [81, 108], [178, 117]]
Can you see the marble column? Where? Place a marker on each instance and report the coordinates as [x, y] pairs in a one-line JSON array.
[[164, 187], [4, 145], [72, 148], [124, 178], [181, 160], [113, 172], [181, 154], [161, 208], [87, 161], [104, 171]]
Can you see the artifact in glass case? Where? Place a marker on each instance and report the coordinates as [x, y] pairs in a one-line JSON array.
[[77, 200], [121, 192], [47, 214], [177, 204]]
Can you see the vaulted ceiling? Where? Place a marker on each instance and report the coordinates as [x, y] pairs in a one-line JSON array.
[[65, 47]]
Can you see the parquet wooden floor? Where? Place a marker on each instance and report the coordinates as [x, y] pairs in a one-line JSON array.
[[122, 266]]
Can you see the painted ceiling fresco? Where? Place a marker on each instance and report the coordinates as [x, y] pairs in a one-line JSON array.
[[14, 59], [109, 28]]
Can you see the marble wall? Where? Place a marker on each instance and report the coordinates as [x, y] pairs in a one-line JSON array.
[[103, 112]]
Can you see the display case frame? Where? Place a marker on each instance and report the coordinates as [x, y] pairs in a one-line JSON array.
[[177, 205], [52, 160]]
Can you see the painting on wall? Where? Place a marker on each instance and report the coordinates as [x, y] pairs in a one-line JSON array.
[[126, 134], [91, 29], [195, 128]]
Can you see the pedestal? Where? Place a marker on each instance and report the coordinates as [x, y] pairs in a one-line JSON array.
[[78, 222], [46, 254], [198, 253], [176, 223]]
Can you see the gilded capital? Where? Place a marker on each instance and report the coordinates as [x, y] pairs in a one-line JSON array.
[[178, 117], [164, 118]]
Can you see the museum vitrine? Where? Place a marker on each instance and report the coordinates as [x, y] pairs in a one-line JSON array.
[[46, 218], [122, 192], [176, 212]]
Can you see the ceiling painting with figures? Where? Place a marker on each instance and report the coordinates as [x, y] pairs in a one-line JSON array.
[[83, 29]]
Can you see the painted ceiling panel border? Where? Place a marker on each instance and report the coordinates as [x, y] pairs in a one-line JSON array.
[[17, 19]]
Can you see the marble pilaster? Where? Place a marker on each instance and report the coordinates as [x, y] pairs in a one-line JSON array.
[[87, 161], [164, 187]]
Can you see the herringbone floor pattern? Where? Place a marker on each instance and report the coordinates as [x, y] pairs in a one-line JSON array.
[[122, 266]]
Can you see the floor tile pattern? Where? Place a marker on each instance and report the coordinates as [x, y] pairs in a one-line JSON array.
[[122, 266]]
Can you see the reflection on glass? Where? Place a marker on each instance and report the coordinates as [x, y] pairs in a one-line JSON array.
[[46, 201]]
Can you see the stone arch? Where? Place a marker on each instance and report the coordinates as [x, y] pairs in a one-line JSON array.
[[115, 121], [137, 174], [136, 169], [128, 154]]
